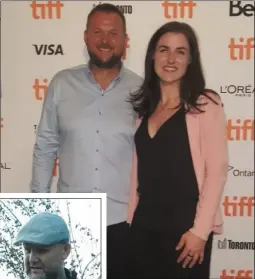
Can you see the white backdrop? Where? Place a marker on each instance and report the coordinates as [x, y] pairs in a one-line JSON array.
[[229, 70]]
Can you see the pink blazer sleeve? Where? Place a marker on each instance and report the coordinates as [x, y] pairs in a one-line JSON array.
[[215, 154]]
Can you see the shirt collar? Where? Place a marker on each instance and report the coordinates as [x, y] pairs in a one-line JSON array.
[[117, 79]]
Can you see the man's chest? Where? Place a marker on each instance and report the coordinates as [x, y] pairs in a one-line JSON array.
[[89, 112]]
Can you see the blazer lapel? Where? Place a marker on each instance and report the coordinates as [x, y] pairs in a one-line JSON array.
[[193, 127], [138, 122]]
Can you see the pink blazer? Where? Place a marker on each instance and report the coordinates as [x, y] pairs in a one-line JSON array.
[[208, 143]]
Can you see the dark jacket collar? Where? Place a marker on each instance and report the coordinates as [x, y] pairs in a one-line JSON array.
[[70, 274]]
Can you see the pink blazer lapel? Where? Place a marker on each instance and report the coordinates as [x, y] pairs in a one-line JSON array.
[[194, 134], [138, 122]]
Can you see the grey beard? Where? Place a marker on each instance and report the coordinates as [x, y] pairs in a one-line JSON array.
[[45, 276]]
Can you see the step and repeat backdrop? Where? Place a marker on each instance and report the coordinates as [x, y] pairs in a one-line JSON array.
[[39, 38]]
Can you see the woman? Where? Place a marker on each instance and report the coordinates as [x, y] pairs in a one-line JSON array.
[[182, 162]]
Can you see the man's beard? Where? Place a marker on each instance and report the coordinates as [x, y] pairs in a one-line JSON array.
[[45, 275], [114, 61], [41, 276]]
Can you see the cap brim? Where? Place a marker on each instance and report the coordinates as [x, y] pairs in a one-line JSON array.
[[37, 242]]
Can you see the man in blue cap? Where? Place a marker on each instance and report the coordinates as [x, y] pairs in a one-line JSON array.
[[46, 241]]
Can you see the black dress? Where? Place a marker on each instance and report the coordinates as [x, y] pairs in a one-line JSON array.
[[168, 193]]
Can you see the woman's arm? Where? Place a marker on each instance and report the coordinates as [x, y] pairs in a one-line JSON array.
[[215, 152]]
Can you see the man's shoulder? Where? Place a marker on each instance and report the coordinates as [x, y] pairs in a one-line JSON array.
[[133, 77], [71, 72]]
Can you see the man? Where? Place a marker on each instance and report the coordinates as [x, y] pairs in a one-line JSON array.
[[88, 120], [45, 238]]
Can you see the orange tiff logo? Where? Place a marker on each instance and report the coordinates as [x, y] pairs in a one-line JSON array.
[[236, 274], [45, 10], [40, 88], [55, 168], [240, 130], [238, 206], [241, 50], [124, 56], [182, 9]]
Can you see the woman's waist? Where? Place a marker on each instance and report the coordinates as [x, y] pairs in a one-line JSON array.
[[166, 176], [170, 217], [167, 202], [165, 193]]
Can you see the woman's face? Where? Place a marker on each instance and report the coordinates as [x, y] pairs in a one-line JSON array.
[[172, 57]]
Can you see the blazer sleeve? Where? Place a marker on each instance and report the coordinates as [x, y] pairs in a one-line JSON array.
[[215, 152]]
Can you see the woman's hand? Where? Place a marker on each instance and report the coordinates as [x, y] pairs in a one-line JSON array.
[[193, 249]]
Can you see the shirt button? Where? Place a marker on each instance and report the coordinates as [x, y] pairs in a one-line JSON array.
[[96, 169], [100, 113], [97, 150], [97, 131]]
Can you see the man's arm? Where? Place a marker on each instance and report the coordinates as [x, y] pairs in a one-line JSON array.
[[47, 142]]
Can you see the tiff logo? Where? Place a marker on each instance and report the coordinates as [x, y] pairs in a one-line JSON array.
[[180, 9], [40, 89], [48, 49], [238, 206], [222, 244], [236, 274], [2, 122], [241, 50], [45, 10], [241, 130], [236, 9]]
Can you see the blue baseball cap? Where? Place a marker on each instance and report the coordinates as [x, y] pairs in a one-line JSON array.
[[44, 229]]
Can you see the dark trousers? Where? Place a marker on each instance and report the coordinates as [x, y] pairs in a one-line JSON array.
[[117, 250], [152, 255]]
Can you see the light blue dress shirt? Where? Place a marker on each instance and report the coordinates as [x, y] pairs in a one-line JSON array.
[[92, 132]]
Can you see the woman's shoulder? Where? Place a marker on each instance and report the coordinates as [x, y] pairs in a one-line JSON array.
[[210, 100], [210, 96]]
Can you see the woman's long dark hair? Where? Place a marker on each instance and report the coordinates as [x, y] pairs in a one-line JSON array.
[[192, 85]]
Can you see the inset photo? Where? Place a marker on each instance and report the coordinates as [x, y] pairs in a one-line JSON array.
[[47, 236]]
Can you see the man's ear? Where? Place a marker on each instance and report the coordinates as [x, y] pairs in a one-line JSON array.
[[126, 39], [85, 36], [66, 251]]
